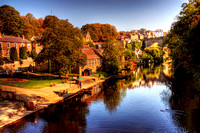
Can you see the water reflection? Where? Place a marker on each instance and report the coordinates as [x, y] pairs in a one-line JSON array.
[[185, 97], [147, 101]]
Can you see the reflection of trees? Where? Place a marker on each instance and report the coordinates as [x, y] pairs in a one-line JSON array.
[[113, 94], [66, 118], [185, 98]]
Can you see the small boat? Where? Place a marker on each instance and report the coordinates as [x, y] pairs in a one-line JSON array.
[[87, 91]]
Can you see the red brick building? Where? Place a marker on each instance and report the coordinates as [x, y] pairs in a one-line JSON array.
[[7, 42]]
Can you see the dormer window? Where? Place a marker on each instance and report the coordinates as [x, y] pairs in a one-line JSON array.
[[15, 44], [8, 44]]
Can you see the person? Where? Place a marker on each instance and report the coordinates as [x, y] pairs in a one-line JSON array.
[[80, 84]]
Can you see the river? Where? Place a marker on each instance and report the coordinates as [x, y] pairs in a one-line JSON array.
[[142, 103]]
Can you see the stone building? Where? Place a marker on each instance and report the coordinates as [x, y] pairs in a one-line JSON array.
[[87, 37], [93, 62], [7, 42]]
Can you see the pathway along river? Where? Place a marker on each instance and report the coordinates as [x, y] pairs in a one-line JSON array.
[[131, 105]]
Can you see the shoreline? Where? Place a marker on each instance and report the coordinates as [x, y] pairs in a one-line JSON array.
[[72, 91]]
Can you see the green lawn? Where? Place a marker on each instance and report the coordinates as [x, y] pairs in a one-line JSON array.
[[34, 83], [103, 75]]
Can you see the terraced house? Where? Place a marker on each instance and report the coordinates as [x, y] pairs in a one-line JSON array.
[[7, 42]]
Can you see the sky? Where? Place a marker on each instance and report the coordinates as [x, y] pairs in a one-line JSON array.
[[125, 15]]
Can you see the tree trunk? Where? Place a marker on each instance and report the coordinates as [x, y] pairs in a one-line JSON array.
[[49, 65]]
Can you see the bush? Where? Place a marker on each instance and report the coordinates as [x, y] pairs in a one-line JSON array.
[[13, 54], [33, 54], [1, 57], [23, 53]]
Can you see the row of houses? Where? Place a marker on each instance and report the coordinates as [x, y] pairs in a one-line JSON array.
[[136, 35], [93, 55], [7, 42]]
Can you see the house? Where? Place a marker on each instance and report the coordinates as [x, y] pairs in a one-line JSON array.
[[7, 42], [93, 62], [36, 45], [87, 37]]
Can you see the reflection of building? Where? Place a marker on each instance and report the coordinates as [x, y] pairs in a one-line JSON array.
[[7, 42]]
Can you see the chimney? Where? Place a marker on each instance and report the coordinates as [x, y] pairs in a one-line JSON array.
[[22, 36]]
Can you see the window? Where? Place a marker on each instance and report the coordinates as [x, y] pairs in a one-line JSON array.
[[92, 62], [8, 52], [29, 45], [22, 44], [38, 51], [1, 44], [2, 53], [15, 45], [95, 62], [8, 44], [88, 62]]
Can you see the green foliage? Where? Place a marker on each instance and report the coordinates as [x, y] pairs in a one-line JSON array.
[[13, 54], [112, 57], [155, 51], [1, 57], [33, 54], [23, 53], [101, 32], [10, 21], [147, 56], [129, 54], [183, 40], [62, 44], [137, 45]]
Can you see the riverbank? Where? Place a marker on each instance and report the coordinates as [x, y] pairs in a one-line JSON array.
[[45, 97]]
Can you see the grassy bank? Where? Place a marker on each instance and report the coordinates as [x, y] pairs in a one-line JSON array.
[[102, 75], [34, 83]]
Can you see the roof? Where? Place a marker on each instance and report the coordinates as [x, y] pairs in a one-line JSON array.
[[13, 39], [89, 52]]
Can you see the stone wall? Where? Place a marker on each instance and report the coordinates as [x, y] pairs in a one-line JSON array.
[[22, 65]]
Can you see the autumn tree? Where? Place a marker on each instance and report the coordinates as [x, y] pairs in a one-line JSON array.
[[62, 44], [122, 33], [11, 21], [183, 41], [101, 32]]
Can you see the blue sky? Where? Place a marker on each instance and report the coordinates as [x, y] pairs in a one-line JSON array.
[[124, 14]]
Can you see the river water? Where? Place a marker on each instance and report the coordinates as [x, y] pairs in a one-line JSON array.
[[142, 103]]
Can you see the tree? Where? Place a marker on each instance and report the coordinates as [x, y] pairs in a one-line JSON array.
[[1, 57], [13, 54], [101, 32], [33, 54], [137, 45], [12, 23], [112, 57], [183, 41], [62, 44], [122, 33], [23, 53]]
